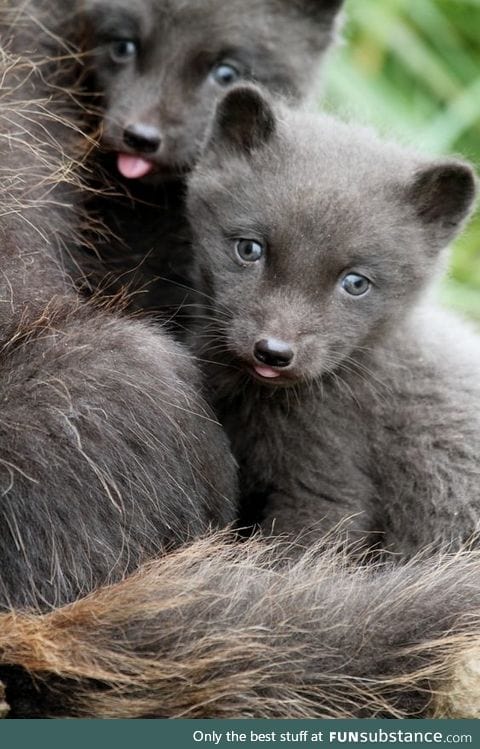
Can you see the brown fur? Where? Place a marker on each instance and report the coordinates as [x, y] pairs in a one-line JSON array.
[[109, 455], [258, 639]]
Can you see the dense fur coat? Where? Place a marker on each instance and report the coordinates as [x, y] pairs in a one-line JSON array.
[[147, 76], [347, 396], [159, 68], [108, 453], [224, 631], [119, 426], [211, 630]]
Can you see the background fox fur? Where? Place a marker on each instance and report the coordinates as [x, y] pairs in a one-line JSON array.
[[216, 630], [109, 453], [213, 629]]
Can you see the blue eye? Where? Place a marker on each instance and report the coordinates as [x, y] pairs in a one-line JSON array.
[[355, 284], [123, 50], [225, 74], [249, 250]]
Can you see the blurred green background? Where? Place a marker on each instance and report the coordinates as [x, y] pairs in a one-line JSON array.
[[412, 68]]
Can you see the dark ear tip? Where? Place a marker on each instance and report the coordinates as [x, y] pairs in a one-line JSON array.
[[470, 179], [244, 96], [245, 117], [452, 174], [443, 195], [458, 173], [445, 191]]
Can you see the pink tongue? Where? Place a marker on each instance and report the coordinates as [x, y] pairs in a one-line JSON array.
[[133, 167], [267, 372]]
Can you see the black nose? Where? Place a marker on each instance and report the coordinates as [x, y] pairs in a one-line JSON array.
[[142, 138], [273, 353]]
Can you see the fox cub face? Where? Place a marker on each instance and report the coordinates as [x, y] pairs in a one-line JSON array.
[[161, 66], [312, 237]]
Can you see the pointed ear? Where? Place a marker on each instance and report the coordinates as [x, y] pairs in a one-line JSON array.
[[244, 119], [443, 195]]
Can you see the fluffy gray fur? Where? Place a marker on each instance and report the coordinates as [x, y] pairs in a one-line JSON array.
[[375, 422], [109, 454], [170, 87]]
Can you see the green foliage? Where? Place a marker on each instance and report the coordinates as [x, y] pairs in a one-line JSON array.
[[412, 68]]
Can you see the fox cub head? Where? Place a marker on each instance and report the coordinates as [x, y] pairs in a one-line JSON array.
[[312, 236], [161, 66]]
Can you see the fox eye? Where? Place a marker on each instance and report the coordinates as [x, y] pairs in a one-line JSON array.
[[355, 284], [123, 50], [225, 74], [249, 250]]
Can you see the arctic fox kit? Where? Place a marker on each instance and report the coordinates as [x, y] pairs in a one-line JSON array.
[[118, 462], [160, 66], [347, 396], [108, 453]]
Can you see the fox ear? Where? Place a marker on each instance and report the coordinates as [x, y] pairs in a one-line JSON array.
[[244, 119], [443, 195]]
